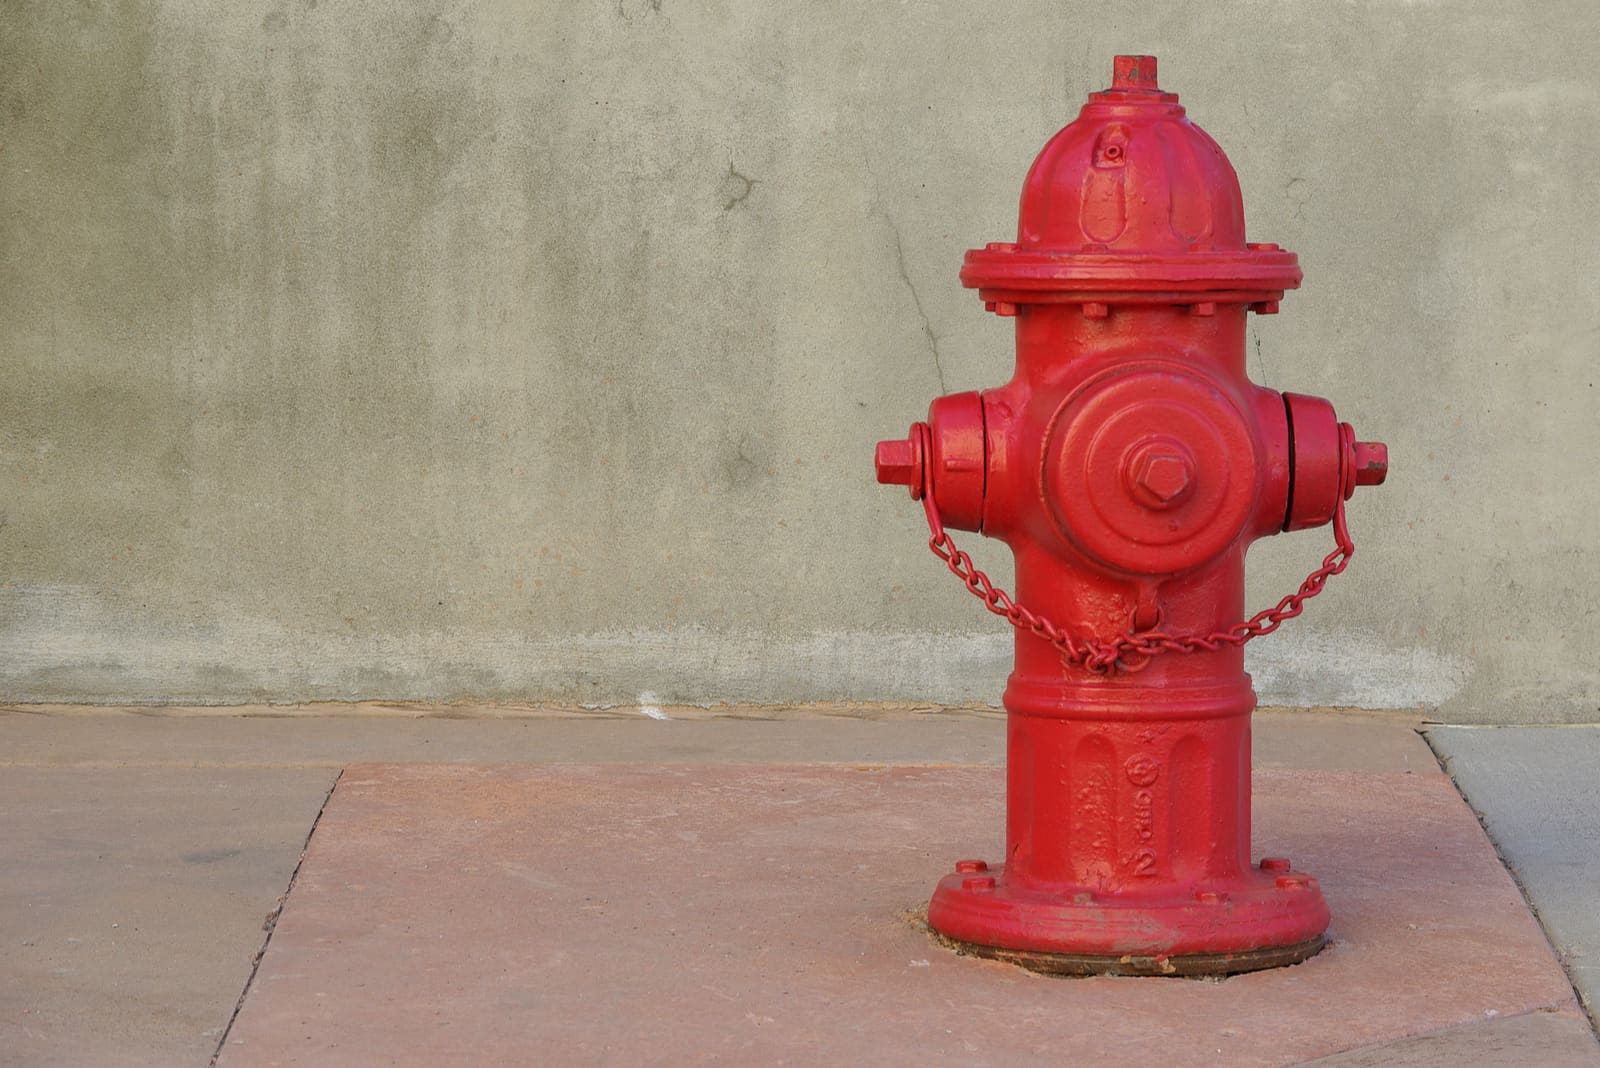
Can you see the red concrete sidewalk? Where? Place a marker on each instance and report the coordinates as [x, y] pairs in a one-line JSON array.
[[660, 914]]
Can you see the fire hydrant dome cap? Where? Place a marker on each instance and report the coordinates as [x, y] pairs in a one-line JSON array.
[[1131, 198]]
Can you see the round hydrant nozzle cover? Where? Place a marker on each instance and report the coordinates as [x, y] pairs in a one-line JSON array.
[[1131, 197]]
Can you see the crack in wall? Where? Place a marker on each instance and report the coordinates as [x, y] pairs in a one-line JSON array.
[[877, 208], [1261, 361], [916, 298]]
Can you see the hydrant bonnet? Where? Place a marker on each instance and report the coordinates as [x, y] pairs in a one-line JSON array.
[[1131, 197]]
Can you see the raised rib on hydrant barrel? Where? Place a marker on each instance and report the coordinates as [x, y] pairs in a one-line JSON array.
[[1129, 463]]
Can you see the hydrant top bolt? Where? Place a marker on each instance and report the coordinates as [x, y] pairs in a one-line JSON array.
[[1134, 72]]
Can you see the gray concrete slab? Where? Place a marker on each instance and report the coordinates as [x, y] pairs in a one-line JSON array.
[[1320, 740], [132, 903], [1537, 790]]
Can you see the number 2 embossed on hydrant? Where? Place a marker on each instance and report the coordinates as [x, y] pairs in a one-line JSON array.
[[1129, 463]]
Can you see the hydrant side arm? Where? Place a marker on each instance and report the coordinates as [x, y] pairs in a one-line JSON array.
[[958, 458], [1276, 463]]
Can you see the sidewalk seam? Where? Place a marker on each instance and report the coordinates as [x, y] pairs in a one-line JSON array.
[[1378, 1047], [1589, 1014], [270, 924]]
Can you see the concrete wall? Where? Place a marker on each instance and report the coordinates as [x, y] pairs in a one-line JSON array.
[[531, 350]]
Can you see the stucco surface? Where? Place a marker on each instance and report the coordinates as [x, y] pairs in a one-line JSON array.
[[536, 350]]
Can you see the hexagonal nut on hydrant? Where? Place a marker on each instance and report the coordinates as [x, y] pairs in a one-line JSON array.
[[1162, 476], [899, 463]]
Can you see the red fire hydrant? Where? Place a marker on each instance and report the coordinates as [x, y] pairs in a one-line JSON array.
[[1129, 463]]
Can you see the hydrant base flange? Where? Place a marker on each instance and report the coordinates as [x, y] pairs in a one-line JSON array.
[[1259, 919], [1192, 965]]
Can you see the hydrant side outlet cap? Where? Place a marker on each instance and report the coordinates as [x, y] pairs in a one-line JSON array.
[[1131, 197]]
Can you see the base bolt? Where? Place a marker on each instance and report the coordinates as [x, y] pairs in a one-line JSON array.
[[1275, 864]]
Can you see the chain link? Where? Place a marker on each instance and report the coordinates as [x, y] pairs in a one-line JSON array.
[[1132, 650]]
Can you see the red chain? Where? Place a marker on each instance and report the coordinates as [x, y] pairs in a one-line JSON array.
[[1133, 649]]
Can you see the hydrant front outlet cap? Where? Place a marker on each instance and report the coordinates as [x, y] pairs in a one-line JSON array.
[[1129, 463]]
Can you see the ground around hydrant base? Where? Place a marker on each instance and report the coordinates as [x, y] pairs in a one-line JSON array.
[[189, 823], [699, 913]]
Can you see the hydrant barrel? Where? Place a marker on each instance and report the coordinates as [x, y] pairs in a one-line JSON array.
[[1129, 463]]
